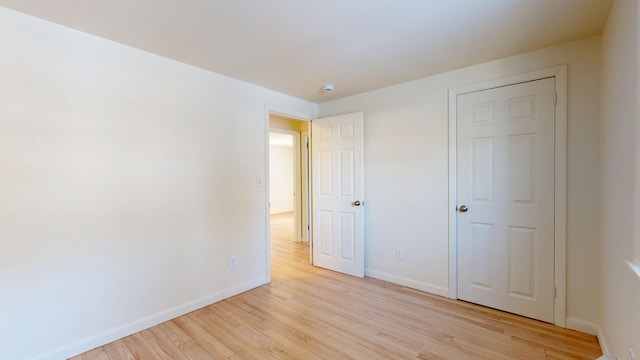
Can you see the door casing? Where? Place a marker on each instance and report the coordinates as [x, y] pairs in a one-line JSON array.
[[560, 181]]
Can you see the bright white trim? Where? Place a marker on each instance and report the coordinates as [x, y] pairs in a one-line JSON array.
[[288, 113], [582, 326], [635, 268], [410, 283], [560, 75], [560, 308], [106, 337], [602, 340], [453, 194], [267, 199]]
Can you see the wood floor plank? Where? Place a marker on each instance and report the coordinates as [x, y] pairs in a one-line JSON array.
[[117, 350], [95, 354], [183, 342], [312, 313], [194, 326], [158, 342], [139, 348]]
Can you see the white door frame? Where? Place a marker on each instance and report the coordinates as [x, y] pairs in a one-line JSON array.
[[560, 183], [272, 109]]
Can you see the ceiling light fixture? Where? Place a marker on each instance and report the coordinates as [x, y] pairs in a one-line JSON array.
[[327, 88]]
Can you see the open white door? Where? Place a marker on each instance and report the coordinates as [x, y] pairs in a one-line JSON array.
[[337, 186]]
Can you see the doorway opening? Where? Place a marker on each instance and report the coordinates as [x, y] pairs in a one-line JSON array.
[[289, 179]]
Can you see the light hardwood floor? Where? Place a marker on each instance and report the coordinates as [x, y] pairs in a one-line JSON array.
[[311, 313]]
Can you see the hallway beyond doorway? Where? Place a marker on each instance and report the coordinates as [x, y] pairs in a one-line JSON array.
[[286, 253]]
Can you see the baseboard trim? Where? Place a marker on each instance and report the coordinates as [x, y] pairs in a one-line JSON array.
[[106, 337], [591, 329], [602, 339], [582, 326], [418, 285]]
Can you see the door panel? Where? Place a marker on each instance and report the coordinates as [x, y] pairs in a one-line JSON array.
[[482, 172], [347, 236], [325, 166], [505, 168], [346, 173], [337, 173], [522, 245], [521, 168], [325, 235], [482, 243]]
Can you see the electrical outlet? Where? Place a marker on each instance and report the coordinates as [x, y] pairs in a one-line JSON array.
[[233, 262], [632, 355], [400, 254]]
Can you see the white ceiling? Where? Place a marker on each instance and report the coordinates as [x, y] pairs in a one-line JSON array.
[[296, 46]]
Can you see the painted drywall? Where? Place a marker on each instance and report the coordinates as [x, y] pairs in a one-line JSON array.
[[126, 182], [620, 295], [406, 172], [281, 176]]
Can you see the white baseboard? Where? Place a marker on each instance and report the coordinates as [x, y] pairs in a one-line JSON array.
[[603, 342], [422, 286], [106, 337], [582, 326], [591, 329]]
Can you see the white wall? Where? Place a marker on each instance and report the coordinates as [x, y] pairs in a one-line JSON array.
[[406, 172], [281, 178], [126, 182], [620, 296]]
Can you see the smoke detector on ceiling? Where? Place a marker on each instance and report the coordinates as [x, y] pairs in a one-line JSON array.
[[327, 88]]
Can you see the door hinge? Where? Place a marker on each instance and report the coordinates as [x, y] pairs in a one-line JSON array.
[[555, 292], [555, 98], [308, 227]]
